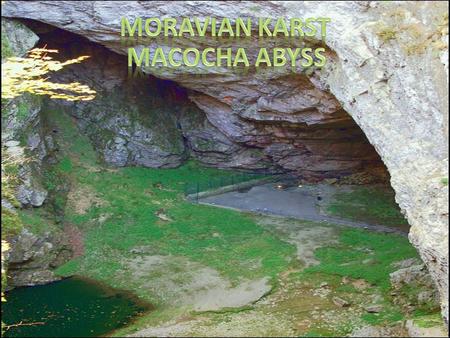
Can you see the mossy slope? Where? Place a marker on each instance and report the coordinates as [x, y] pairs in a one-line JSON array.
[[125, 214]]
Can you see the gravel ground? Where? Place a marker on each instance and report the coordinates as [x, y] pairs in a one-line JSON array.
[[302, 202]]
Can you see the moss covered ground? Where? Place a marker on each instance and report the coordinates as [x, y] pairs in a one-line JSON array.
[[127, 209], [124, 213], [374, 204], [364, 254]]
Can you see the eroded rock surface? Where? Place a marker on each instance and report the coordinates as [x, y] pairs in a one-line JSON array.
[[377, 331], [415, 330], [129, 122], [17, 39], [32, 258], [192, 284], [387, 68], [21, 123]]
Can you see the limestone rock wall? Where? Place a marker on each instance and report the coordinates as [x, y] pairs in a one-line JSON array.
[[21, 125], [155, 123], [387, 68], [140, 121], [31, 257]]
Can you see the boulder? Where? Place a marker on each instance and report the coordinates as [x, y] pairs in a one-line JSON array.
[[413, 275], [374, 308], [32, 258], [341, 302]]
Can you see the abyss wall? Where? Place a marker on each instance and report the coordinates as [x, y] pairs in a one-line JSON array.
[[150, 122], [387, 68]]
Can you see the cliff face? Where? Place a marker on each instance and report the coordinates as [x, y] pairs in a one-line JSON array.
[[387, 68], [32, 256], [156, 123]]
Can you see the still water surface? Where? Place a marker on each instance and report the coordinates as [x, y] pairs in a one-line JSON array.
[[73, 307]]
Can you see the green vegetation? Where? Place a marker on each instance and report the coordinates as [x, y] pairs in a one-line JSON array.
[[23, 110], [70, 267], [65, 166], [6, 48], [26, 103], [410, 294], [124, 212], [375, 204], [429, 320], [153, 318], [364, 254], [133, 222], [320, 333], [389, 315], [360, 254], [11, 224], [444, 181], [37, 221]]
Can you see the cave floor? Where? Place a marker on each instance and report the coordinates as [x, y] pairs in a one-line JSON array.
[[213, 271], [324, 291]]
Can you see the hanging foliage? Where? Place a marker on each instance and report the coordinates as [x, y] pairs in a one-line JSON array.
[[30, 74]]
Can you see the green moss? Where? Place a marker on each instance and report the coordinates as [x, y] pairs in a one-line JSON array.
[[346, 288], [320, 333], [25, 104], [154, 318], [33, 221], [23, 111], [427, 321], [390, 315], [342, 330], [410, 293], [361, 254], [12, 170], [444, 181], [225, 240], [56, 182], [77, 145], [11, 223], [68, 269], [364, 254], [65, 165], [374, 204], [190, 234], [6, 48], [51, 180]]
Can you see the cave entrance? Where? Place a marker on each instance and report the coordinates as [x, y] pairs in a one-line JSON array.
[[128, 155], [317, 141], [324, 166]]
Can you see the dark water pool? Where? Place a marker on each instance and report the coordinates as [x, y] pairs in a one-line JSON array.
[[73, 307]]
